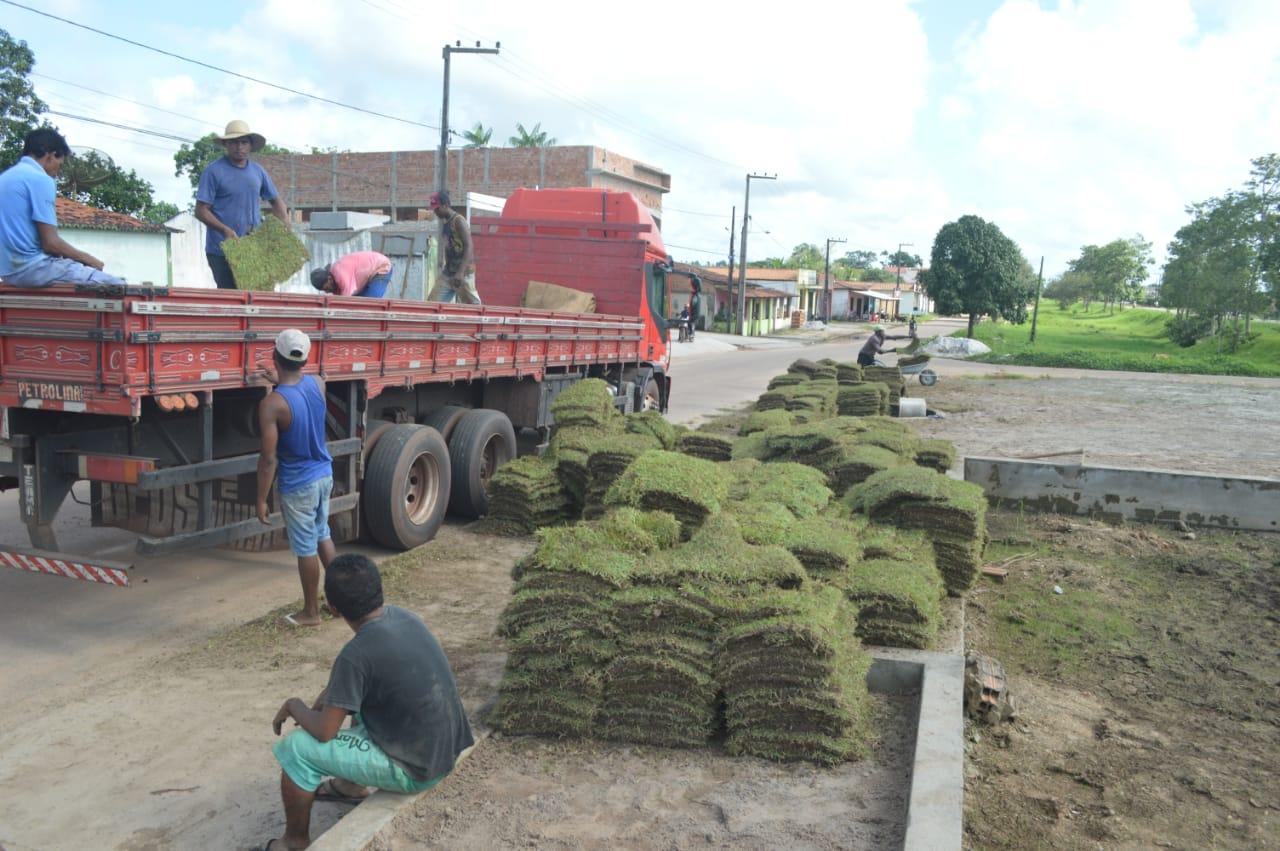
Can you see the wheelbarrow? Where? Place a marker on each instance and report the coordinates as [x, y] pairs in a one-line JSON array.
[[920, 369]]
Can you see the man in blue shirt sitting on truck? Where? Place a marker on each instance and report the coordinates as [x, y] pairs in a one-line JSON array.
[[32, 254]]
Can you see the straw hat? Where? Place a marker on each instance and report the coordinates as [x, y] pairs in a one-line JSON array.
[[238, 130]]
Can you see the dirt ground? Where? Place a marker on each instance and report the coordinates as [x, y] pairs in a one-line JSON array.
[[524, 792], [1194, 426], [1153, 722], [1147, 701]]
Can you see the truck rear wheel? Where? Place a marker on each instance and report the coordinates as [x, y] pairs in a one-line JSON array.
[[482, 442], [446, 419], [406, 486]]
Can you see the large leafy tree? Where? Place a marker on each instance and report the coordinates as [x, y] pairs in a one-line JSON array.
[[1112, 273], [860, 259], [534, 137], [976, 269], [905, 259], [93, 179], [806, 255], [20, 108], [478, 136], [191, 159]]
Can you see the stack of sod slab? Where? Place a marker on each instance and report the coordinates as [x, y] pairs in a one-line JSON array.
[[889, 375], [799, 489], [560, 635], [786, 379], [654, 424], [701, 444], [865, 399], [826, 545], [608, 459], [912, 360], [691, 489], [897, 600], [952, 513], [936, 454], [859, 461], [588, 403], [794, 682], [849, 373], [824, 369], [524, 495], [761, 420], [813, 399]]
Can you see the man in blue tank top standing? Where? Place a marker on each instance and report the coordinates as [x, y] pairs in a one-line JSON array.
[[291, 420]]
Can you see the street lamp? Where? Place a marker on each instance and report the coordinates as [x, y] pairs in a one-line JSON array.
[[442, 156], [826, 279], [742, 255]]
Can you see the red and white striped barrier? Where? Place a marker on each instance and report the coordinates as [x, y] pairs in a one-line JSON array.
[[108, 573]]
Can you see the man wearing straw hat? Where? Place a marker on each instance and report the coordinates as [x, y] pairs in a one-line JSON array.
[[229, 197]]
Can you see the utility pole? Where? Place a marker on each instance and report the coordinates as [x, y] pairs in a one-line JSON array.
[[733, 221], [1035, 313], [742, 255], [897, 283], [442, 155], [826, 279]]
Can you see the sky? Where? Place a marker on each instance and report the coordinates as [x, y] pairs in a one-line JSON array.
[[1064, 123]]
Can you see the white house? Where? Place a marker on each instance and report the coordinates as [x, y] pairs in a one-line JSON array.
[[190, 268], [129, 248]]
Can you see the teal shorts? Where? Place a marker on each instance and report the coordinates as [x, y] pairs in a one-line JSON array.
[[350, 755]]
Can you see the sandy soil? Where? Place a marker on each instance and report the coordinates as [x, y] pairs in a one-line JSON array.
[[523, 792], [1146, 692], [1189, 425]]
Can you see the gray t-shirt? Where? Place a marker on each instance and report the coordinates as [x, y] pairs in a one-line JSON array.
[[396, 676]]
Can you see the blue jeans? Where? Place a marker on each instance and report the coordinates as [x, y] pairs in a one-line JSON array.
[[377, 286], [221, 269], [306, 516], [46, 271]]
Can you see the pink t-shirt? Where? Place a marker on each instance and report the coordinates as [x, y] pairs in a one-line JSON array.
[[353, 271]]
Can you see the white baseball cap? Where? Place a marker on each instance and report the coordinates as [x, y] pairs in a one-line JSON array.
[[293, 345]]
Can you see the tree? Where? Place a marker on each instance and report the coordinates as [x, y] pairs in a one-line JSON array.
[[1212, 265], [112, 188], [192, 159], [1112, 273], [1067, 289], [860, 259], [976, 269], [20, 108], [806, 255], [904, 259], [534, 138], [478, 136]]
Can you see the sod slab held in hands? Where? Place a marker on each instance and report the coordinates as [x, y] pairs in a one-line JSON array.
[[270, 255]]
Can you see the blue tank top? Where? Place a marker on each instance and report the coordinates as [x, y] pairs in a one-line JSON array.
[[304, 457]]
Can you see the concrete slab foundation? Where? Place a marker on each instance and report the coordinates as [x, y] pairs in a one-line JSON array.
[[1115, 493]]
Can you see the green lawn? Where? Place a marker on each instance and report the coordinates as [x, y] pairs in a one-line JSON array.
[[1131, 339]]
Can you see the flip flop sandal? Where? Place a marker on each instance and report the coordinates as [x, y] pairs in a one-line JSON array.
[[326, 791]]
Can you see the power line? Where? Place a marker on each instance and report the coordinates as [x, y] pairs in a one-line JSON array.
[[220, 70], [693, 213], [687, 248]]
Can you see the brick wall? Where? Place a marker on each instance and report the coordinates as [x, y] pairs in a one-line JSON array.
[[406, 179]]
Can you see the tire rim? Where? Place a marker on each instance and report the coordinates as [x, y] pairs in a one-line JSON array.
[[422, 489], [489, 461], [650, 402]]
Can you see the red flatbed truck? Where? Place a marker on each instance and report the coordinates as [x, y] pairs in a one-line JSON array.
[[150, 394]]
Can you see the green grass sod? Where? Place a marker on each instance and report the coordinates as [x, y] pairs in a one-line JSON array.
[[271, 254]]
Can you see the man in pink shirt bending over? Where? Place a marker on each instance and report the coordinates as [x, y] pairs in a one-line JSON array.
[[363, 273]]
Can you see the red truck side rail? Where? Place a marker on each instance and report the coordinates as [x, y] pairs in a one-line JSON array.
[[103, 350]]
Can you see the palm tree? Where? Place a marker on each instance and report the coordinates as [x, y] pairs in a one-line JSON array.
[[478, 136], [535, 138]]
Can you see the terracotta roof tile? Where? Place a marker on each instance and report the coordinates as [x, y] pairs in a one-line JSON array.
[[73, 214]]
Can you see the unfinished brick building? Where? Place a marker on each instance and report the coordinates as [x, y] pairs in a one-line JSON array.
[[398, 183]]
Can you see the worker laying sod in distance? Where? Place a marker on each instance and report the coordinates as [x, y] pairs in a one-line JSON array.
[[408, 725]]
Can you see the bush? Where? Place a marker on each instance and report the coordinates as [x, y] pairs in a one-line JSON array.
[[1185, 330]]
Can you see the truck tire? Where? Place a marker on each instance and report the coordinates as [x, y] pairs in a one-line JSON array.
[[406, 486], [482, 442], [446, 419]]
